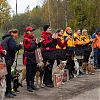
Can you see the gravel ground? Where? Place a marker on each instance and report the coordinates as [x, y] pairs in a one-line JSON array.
[[84, 87]]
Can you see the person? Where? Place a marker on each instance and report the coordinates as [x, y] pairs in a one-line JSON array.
[[48, 45], [78, 45], [96, 44], [95, 50], [60, 46], [29, 58], [86, 46], [11, 46], [68, 35]]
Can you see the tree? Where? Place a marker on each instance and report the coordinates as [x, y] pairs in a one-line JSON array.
[[4, 11]]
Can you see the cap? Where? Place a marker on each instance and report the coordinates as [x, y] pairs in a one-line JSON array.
[[29, 28]]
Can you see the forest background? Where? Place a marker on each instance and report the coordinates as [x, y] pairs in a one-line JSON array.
[[58, 13]]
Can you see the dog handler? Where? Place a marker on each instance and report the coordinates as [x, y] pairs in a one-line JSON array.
[[10, 45], [29, 57]]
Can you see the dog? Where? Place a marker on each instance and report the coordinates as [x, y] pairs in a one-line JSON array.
[[70, 66], [88, 68], [22, 76], [76, 67], [2, 87], [15, 79], [60, 69], [39, 74], [3, 72]]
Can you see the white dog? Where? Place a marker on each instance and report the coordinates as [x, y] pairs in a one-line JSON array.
[[60, 68], [76, 67], [2, 88]]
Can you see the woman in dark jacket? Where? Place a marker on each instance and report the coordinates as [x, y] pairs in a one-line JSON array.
[[30, 46], [10, 45]]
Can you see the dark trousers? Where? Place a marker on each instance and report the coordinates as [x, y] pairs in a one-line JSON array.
[[86, 56], [48, 73], [30, 72], [95, 51], [9, 63], [98, 59]]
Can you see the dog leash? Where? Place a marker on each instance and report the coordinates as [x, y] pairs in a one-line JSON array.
[[16, 63]]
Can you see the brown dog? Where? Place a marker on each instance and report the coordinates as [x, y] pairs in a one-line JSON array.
[[88, 68], [22, 74], [39, 74]]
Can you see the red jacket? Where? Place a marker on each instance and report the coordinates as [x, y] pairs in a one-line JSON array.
[[30, 46], [29, 41], [1, 50], [47, 36], [48, 43]]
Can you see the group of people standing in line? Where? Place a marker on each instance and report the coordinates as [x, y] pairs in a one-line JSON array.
[[62, 45]]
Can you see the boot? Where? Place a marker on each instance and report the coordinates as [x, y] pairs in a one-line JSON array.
[[29, 86], [9, 95], [33, 86]]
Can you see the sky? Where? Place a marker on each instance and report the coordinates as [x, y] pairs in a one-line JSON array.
[[23, 4]]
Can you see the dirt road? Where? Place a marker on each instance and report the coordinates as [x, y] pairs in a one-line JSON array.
[[84, 87]]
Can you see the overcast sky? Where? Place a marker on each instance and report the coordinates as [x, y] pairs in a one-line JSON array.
[[23, 4]]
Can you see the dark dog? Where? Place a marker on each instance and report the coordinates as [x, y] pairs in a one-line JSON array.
[[15, 79], [70, 66]]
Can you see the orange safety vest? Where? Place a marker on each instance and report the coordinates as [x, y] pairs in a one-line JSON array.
[[96, 42]]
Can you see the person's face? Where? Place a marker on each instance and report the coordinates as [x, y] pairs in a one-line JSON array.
[[61, 32], [78, 32], [49, 30], [69, 30], [99, 34], [29, 31], [14, 34], [85, 33]]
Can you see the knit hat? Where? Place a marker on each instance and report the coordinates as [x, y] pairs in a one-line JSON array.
[[97, 30], [45, 27], [13, 30]]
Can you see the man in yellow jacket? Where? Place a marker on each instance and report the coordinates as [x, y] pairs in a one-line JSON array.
[[70, 40]]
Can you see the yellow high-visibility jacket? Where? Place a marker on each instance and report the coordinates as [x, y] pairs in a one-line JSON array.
[[78, 39], [86, 39], [70, 39]]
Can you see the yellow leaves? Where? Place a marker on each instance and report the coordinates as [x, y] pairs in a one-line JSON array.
[[4, 11]]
